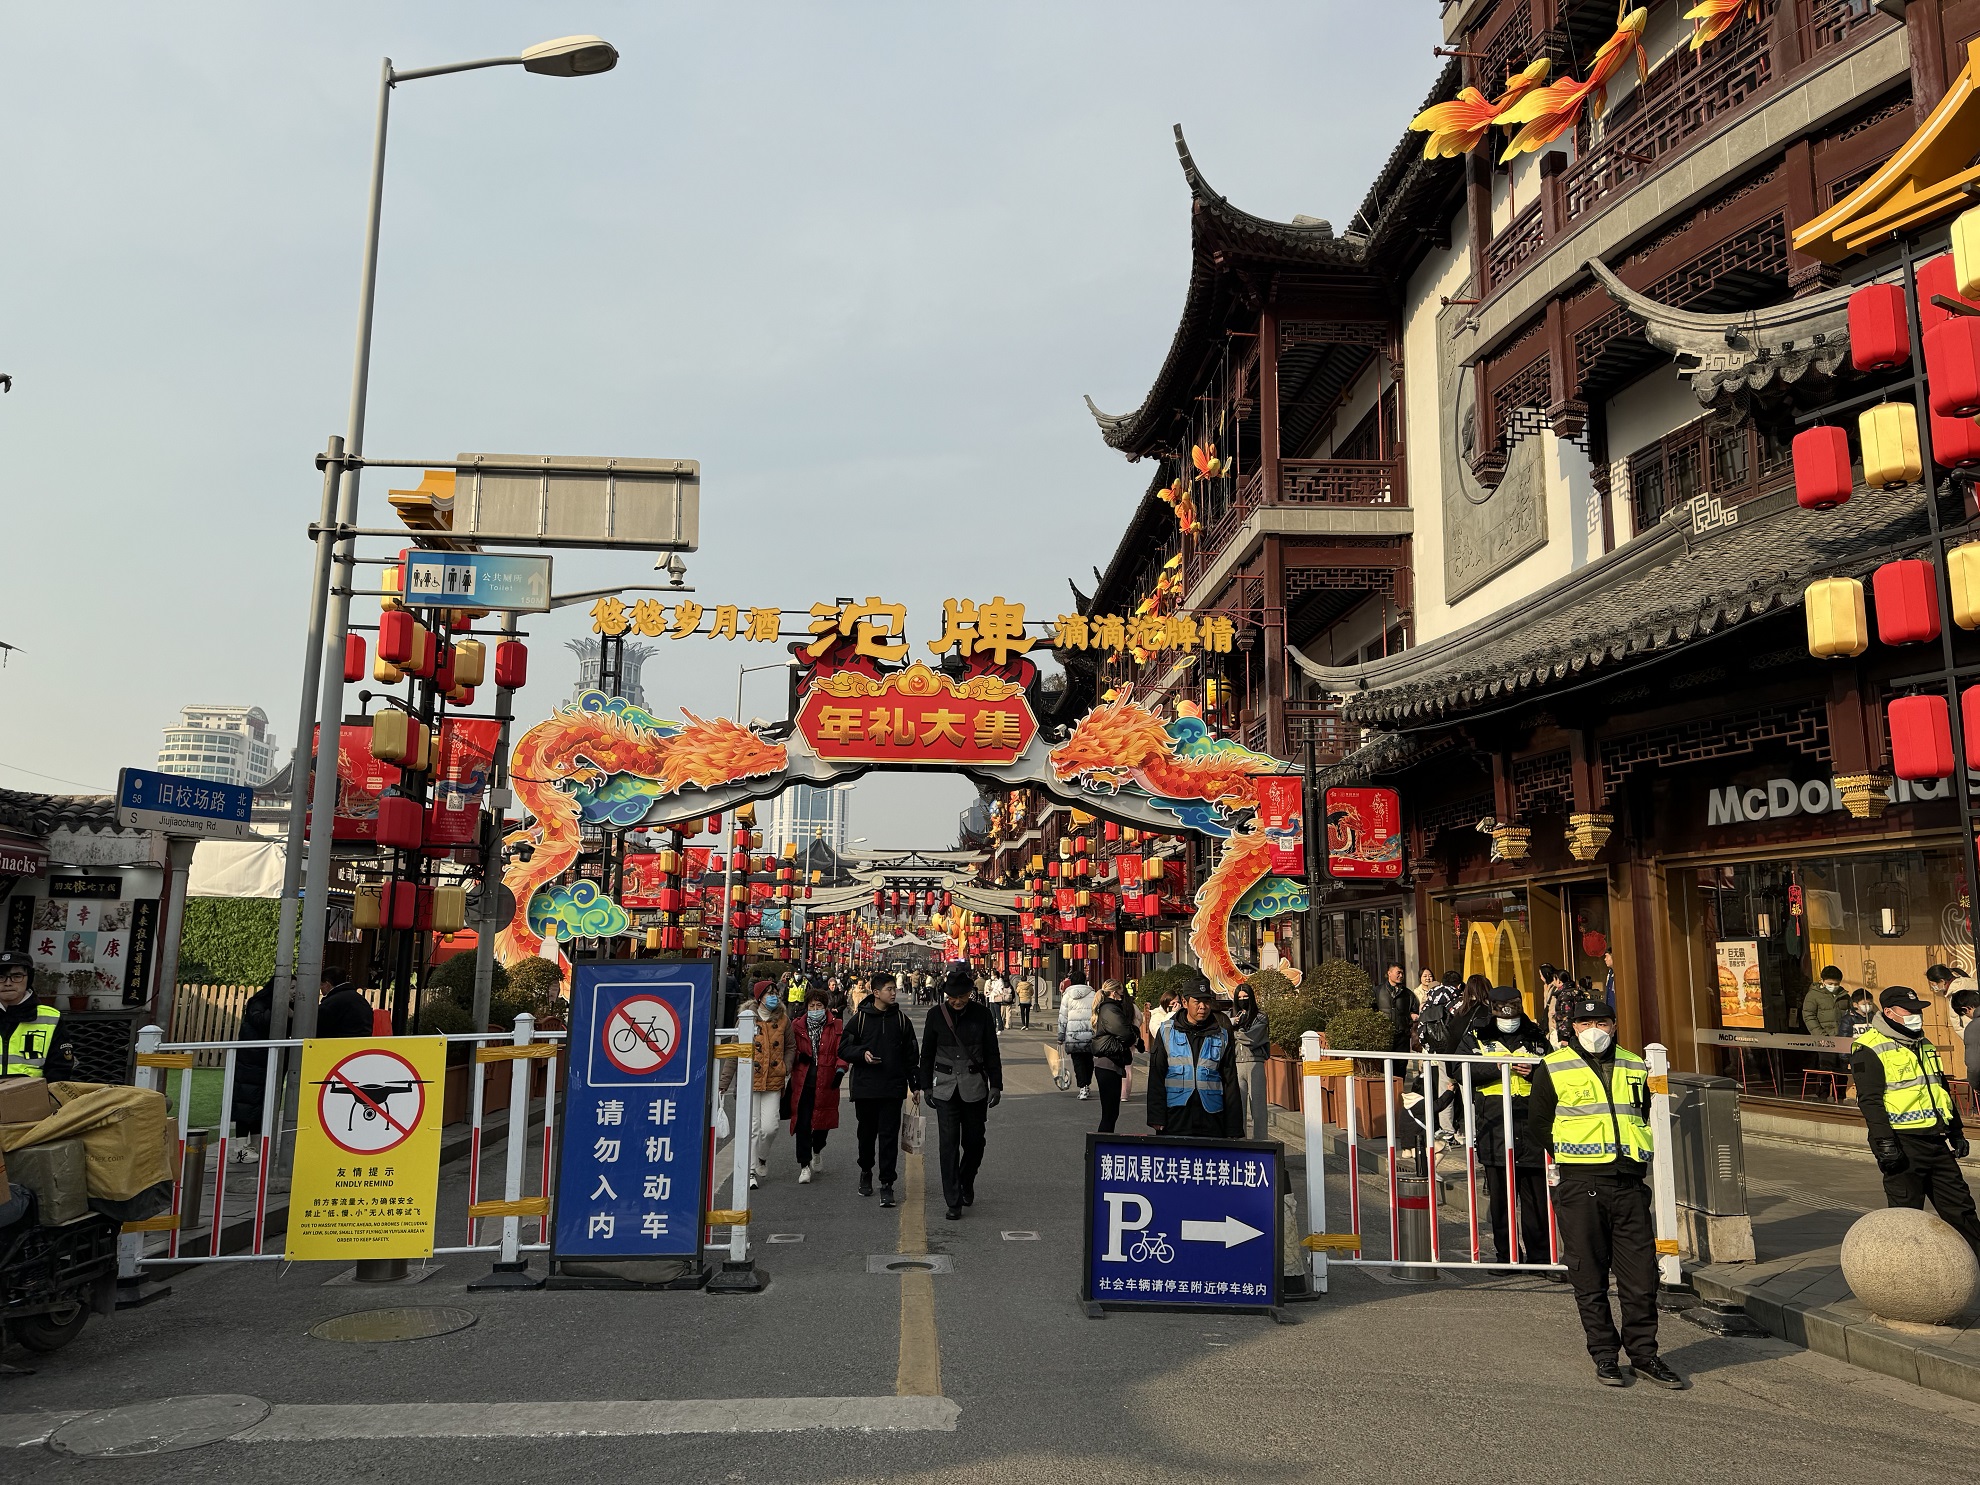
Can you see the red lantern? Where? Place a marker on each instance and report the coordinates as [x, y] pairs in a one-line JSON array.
[[1907, 603], [511, 664], [398, 821], [1921, 737], [1111, 830], [1822, 476], [399, 905], [1969, 721], [1879, 337], [395, 638], [1955, 442], [443, 673], [1952, 367], [353, 657], [461, 696], [1937, 278]]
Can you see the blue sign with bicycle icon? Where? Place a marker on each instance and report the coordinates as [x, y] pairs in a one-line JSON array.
[[1182, 1223], [634, 1154]]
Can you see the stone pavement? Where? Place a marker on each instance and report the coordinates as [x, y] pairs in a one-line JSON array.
[[984, 1373]]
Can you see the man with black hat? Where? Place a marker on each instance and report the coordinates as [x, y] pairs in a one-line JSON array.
[[1505, 1031], [1909, 1113], [1590, 1108], [964, 1077], [1192, 1072], [32, 1039]]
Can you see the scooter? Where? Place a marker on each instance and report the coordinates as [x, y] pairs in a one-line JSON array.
[[53, 1278]]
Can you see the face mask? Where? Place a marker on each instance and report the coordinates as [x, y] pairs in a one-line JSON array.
[[816, 1015], [1595, 1040], [1910, 1020], [1509, 1023]]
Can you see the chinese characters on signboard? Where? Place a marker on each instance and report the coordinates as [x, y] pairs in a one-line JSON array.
[[1364, 833], [916, 716], [1740, 1000], [1282, 816]]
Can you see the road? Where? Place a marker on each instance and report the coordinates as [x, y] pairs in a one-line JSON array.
[[1379, 1381]]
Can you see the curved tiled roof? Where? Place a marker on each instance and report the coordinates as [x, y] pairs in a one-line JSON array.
[[41, 815]]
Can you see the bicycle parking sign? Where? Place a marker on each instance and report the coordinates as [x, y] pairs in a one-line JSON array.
[[631, 1172], [1183, 1223]]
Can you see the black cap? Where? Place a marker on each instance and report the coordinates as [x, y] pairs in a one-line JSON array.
[[16, 959], [958, 981], [1501, 994], [1591, 1010], [1902, 997], [1197, 988]]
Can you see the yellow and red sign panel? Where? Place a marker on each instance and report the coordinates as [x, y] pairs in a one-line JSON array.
[[367, 1175], [916, 716]]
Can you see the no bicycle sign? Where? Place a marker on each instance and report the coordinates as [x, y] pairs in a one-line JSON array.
[[368, 1148]]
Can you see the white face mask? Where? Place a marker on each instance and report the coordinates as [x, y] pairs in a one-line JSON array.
[[1508, 1023], [1910, 1020], [1595, 1040]]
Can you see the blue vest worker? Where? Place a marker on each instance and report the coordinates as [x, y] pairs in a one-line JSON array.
[[1192, 1072]]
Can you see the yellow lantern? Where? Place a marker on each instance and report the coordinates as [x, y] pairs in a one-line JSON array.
[[652, 938], [385, 672], [1836, 622], [746, 814], [418, 757], [1889, 433], [364, 909], [470, 662], [790, 850], [669, 861], [1037, 862], [389, 581], [1966, 254], [1963, 570], [1131, 941], [390, 735], [449, 909]]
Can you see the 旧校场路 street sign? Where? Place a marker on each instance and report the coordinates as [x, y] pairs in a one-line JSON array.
[[174, 805]]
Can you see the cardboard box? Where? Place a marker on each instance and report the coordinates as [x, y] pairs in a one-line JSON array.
[[24, 1101], [58, 1174]]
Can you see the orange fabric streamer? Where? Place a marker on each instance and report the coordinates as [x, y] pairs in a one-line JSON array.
[[1711, 19], [1456, 127], [1545, 114]]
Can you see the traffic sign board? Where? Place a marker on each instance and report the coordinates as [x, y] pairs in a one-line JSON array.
[[640, 1035], [174, 805], [516, 584], [367, 1172], [1183, 1222], [370, 1102]]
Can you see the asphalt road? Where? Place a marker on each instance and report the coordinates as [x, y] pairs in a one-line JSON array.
[[1380, 1381]]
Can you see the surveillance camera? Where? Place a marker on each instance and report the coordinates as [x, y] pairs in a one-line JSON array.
[[675, 568]]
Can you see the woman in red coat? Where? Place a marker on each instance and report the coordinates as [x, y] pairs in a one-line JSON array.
[[814, 1085]]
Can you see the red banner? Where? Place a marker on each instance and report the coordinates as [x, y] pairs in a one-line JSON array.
[[916, 716], [1364, 833], [466, 762], [1282, 816]]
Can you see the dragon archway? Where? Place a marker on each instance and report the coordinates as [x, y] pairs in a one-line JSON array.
[[602, 761]]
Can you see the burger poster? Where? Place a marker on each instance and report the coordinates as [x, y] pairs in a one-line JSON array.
[[1739, 984]]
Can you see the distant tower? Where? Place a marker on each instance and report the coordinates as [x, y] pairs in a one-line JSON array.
[[634, 660]]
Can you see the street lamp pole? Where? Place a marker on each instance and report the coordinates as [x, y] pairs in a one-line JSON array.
[[729, 860], [570, 56]]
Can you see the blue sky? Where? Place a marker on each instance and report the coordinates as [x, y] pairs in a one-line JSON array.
[[860, 260]]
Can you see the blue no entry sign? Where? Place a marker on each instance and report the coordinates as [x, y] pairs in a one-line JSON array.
[[631, 1174], [1183, 1222]]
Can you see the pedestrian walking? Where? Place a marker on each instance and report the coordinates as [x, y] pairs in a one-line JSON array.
[[998, 994], [1026, 991], [1966, 1021], [1193, 1090], [1076, 1029], [1909, 1114], [770, 1058], [1557, 1004], [1112, 1049], [879, 1047], [815, 1077], [1590, 1108], [1505, 1031], [964, 1077], [1254, 1051]]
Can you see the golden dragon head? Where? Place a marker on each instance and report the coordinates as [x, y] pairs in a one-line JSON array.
[[1111, 740], [709, 754]]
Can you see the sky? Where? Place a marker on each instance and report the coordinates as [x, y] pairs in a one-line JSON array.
[[860, 260]]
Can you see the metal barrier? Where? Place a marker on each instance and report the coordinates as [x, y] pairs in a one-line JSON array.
[[524, 1046], [1405, 1075]]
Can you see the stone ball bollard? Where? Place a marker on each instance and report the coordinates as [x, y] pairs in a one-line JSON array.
[[1909, 1266]]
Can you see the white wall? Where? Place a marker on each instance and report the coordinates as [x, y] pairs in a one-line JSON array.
[[1424, 419]]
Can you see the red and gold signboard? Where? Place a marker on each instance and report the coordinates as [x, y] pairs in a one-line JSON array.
[[916, 716], [1282, 815], [1364, 833]]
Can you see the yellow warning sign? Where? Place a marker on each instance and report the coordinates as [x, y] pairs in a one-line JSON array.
[[367, 1178]]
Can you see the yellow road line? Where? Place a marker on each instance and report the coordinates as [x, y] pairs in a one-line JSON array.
[[919, 1373]]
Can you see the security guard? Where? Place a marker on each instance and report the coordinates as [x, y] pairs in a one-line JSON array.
[[1909, 1113], [1591, 1109], [32, 1044], [1506, 1032], [1192, 1072]]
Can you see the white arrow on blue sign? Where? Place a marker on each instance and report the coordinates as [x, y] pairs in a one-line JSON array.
[[1228, 1231]]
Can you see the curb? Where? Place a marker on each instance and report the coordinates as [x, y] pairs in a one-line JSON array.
[[1847, 1331]]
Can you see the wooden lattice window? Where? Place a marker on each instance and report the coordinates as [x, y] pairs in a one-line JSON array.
[[1734, 461]]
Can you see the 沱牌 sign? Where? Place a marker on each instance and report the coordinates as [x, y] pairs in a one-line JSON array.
[[1183, 1222], [173, 805], [634, 1155], [476, 580]]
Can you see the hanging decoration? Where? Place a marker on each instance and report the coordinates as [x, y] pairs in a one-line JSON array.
[[1178, 498], [1545, 114], [1456, 127], [1711, 19]]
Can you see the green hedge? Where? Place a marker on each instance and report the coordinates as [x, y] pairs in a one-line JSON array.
[[228, 940]]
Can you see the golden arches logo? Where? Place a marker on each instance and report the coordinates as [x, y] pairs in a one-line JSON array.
[[1498, 952]]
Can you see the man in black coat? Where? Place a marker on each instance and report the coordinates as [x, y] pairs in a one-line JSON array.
[[1503, 1030], [879, 1047], [964, 1078], [1201, 1101], [343, 1012]]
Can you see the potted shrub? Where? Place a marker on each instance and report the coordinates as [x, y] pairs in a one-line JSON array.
[[1290, 1011]]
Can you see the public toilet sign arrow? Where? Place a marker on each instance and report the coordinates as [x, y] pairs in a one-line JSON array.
[[1228, 1231], [514, 584]]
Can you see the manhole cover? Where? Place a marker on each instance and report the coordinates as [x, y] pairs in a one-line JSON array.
[[396, 1323], [908, 1263], [1020, 1237], [786, 1237], [162, 1427]]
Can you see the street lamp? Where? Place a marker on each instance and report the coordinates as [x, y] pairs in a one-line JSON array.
[[329, 615]]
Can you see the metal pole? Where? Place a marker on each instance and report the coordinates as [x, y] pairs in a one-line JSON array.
[[178, 855], [491, 867], [745, 1135], [728, 877], [330, 709], [1314, 840], [292, 861], [1663, 1161]]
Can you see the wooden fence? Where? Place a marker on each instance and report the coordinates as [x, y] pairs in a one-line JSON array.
[[212, 1013]]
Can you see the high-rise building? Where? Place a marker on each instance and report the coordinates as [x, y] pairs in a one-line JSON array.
[[225, 744], [804, 812], [632, 659]]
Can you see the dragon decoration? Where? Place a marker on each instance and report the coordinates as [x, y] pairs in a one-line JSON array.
[[1540, 112], [602, 761]]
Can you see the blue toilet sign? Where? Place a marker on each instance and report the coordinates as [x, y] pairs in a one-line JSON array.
[[1189, 1223]]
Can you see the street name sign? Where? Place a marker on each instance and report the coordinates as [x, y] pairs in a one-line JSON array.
[[1178, 1223], [173, 805], [497, 580]]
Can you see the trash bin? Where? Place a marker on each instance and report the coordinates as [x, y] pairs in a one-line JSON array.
[[1710, 1165], [1413, 1228], [192, 1180]]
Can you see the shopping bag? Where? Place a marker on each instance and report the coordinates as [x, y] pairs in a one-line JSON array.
[[914, 1129], [1053, 1057]]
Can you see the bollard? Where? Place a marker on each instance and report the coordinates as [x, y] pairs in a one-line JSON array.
[[739, 1274], [380, 1270], [1311, 1108], [1413, 1229], [1663, 1168], [511, 1270]]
